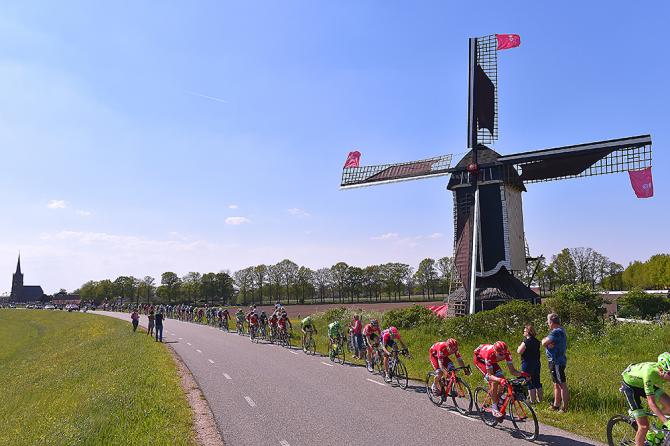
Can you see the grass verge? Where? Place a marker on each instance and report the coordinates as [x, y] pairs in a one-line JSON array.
[[73, 379]]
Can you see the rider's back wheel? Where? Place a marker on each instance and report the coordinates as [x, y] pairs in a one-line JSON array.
[[524, 419], [340, 354], [461, 396], [483, 403], [435, 399], [400, 374], [621, 430], [311, 347]]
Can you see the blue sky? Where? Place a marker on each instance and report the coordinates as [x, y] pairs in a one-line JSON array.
[[114, 161]]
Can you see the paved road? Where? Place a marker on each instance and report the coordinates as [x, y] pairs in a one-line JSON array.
[[263, 394]]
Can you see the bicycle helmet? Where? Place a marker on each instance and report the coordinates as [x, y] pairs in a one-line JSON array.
[[452, 345], [664, 361], [336, 324], [501, 348], [308, 320], [374, 322]]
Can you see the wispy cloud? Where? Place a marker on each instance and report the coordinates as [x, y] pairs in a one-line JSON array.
[[84, 213], [387, 236], [233, 206], [436, 235], [213, 98], [56, 204], [298, 212], [237, 220]]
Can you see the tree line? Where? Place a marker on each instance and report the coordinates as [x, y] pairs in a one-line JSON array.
[[289, 282]]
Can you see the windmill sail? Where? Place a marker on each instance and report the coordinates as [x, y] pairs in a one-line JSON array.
[[389, 173], [582, 160]]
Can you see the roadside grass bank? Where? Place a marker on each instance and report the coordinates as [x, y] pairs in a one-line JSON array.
[[596, 358], [72, 379]]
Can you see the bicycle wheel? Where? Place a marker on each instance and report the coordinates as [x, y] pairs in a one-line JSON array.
[[461, 396], [621, 431], [339, 356], [435, 399], [524, 419], [311, 347], [400, 374], [483, 403]]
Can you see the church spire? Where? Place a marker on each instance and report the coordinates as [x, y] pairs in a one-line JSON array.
[[18, 264]]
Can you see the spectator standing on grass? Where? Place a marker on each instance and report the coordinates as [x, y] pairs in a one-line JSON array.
[[529, 349], [152, 318], [357, 330], [555, 345], [159, 325], [135, 317]]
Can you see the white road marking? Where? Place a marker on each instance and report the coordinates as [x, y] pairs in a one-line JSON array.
[[227, 376], [211, 361], [250, 401], [295, 353], [284, 443], [456, 413], [181, 339], [325, 363], [199, 351], [376, 382], [188, 343]]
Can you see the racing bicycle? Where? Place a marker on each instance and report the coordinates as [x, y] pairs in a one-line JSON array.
[[452, 387]]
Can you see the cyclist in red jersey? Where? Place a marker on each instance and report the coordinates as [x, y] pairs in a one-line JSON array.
[[486, 358], [283, 320], [371, 334], [440, 359], [252, 319]]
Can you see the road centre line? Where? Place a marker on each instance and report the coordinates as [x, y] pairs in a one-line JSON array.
[[295, 353], [188, 343], [250, 401], [325, 363], [284, 443], [197, 350], [181, 339], [227, 376], [376, 382], [211, 361]]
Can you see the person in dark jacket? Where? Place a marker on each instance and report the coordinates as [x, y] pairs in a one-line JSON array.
[[158, 319], [152, 318], [135, 317], [529, 349]]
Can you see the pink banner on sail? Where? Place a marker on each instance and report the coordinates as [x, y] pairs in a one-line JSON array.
[[353, 159], [642, 182], [507, 41]]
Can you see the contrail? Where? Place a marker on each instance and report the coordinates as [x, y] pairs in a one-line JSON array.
[[207, 97]]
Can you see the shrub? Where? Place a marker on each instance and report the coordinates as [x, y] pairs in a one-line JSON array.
[[410, 317], [637, 303]]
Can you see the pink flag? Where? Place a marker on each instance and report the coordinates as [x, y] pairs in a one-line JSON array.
[[507, 41], [353, 159], [642, 182]]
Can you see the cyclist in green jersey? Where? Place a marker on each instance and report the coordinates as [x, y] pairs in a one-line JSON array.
[[333, 333], [307, 326], [239, 317], [646, 379]]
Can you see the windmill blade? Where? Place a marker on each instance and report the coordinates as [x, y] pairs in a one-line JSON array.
[[582, 160], [391, 173]]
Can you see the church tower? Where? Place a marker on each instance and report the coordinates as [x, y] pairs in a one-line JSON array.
[[17, 283]]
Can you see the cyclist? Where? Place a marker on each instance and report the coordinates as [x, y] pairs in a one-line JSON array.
[[274, 318], [225, 317], [646, 379], [486, 359], [334, 336], [440, 359], [389, 340], [371, 334], [252, 320], [263, 319], [307, 326], [282, 321], [239, 316]]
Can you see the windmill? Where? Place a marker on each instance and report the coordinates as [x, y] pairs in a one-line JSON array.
[[489, 241]]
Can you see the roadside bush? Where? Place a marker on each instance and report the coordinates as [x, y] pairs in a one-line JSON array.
[[637, 303], [497, 323], [410, 317]]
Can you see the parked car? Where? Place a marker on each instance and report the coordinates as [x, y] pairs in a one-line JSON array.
[[72, 307], [49, 307]]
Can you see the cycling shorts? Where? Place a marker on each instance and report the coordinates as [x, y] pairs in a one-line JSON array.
[[436, 365], [481, 365], [634, 396]]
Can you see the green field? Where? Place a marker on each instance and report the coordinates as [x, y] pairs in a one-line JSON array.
[[78, 379], [595, 362]]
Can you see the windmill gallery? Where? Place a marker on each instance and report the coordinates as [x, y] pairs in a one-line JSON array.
[[489, 241]]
